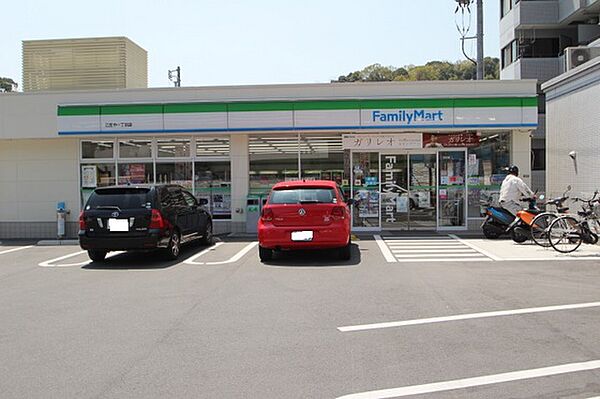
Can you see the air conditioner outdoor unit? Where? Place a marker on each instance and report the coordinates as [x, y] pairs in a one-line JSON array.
[[576, 56]]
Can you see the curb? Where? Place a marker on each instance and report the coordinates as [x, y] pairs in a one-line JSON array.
[[47, 243]]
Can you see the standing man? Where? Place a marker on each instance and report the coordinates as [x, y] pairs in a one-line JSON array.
[[514, 189]]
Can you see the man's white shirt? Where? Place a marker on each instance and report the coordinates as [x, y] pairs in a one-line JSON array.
[[514, 189]]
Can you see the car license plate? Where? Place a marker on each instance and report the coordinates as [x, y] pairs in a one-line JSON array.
[[118, 224], [302, 235]]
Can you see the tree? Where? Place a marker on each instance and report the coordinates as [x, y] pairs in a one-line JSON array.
[[433, 70], [7, 84]]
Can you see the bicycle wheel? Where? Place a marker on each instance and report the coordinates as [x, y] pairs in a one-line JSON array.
[[539, 228], [565, 234]]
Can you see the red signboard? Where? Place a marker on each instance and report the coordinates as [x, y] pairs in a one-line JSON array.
[[450, 140]]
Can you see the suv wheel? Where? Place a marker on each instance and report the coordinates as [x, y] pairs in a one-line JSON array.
[[97, 256], [265, 254], [208, 238], [174, 247]]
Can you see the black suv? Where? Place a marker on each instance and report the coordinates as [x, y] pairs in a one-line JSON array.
[[127, 218]]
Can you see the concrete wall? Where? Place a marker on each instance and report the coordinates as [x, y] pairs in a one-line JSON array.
[[34, 176]]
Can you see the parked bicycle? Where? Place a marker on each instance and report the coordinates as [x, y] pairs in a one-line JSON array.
[[568, 232], [541, 223]]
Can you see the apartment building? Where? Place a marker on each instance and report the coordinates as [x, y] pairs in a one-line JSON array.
[[533, 37]]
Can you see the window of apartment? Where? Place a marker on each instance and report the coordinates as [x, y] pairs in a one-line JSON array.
[[539, 47], [538, 159], [509, 54]]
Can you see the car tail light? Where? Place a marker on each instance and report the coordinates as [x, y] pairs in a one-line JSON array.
[[338, 211], [267, 215], [82, 225], [156, 220]]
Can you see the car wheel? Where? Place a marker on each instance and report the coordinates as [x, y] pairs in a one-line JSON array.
[[97, 256], [265, 254], [345, 252], [207, 237], [174, 247]]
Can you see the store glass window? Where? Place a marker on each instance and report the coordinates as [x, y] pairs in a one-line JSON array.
[[365, 175], [97, 149], [174, 173], [212, 181], [212, 175], [272, 159], [135, 148], [485, 170], [96, 175], [173, 148], [136, 173], [322, 158], [212, 147]]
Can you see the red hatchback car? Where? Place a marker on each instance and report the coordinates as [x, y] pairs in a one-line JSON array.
[[304, 215]]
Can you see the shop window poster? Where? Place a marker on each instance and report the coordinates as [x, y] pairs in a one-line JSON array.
[[88, 176]]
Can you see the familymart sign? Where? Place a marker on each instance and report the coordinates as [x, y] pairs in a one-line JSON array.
[[200, 117]]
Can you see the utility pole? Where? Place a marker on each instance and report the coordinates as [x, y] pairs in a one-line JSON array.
[[463, 24], [480, 61], [175, 76]]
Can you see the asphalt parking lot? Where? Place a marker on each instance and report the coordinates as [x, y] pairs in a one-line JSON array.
[[439, 316]]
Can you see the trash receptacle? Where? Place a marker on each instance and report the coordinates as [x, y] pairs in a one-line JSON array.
[[252, 213]]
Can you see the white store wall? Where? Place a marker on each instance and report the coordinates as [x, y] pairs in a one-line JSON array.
[[34, 176]]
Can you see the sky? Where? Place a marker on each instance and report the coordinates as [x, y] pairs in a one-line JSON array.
[[231, 42]]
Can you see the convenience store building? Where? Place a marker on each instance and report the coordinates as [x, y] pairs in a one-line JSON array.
[[416, 155]]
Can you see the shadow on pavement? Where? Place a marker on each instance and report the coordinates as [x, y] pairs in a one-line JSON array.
[[314, 258], [144, 260]]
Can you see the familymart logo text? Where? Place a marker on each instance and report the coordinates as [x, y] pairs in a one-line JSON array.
[[408, 117]]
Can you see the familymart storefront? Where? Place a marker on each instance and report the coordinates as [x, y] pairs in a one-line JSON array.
[[415, 155]]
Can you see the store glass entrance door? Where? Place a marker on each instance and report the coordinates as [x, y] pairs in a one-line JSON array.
[[408, 191]]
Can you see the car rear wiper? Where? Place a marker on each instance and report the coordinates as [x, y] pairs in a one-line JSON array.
[[111, 207], [311, 202]]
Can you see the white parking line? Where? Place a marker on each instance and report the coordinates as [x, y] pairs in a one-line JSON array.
[[16, 249], [50, 263], [499, 313], [387, 254], [190, 260], [476, 248], [233, 259], [475, 381]]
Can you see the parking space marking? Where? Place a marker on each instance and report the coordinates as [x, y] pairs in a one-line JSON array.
[[191, 259], [16, 249], [387, 254], [234, 258], [476, 248], [50, 263], [429, 249], [476, 381], [468, 316]]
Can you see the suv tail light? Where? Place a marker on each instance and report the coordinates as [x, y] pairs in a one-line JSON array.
[[156, 220], [267, 215], [82, 225], [338, 211]]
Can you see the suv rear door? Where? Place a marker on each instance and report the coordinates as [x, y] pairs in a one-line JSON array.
[[133, 204]]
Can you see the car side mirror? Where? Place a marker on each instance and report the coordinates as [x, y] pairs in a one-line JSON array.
[[202, 201], [351, 201]]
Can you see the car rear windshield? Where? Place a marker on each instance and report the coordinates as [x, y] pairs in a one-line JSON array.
[[120, 198], [303, 196]]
